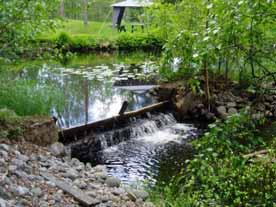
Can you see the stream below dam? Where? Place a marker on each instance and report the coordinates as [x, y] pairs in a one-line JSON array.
[[94, 88]]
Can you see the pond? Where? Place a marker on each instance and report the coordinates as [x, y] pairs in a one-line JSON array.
[[94, 88], [92, 85]]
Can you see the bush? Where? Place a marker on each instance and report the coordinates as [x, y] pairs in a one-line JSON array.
[[63, 41], [144, 41], [9, 124], [7, 115], [219, 174]]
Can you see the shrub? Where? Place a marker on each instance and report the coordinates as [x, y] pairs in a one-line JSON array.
[[128, 41], [7, 115], [219, 174], [9, 124], [63, 41]]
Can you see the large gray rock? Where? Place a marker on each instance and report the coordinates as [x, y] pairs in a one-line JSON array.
[[141, 194], [4, 194], [37, 192], [113, 182], [4, 147], [20, 190], [58, 149], [3, 203], [232, 111], [222, 112], [118, 191], [137, 194], [23, 157], [18, 163], [71, 173], [231, 104], [101, 175], [4, 154]]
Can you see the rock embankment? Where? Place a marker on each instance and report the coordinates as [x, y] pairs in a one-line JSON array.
[[225, 100], [23, 183]]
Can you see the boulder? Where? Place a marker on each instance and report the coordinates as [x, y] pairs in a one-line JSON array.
[[4, 147], [232, 111], [113, 182], [140, 194], [37, 192], [222, 112], [210, 116], [40, 130], [231, 104], [3, 203], [58, 149], [187, 103]]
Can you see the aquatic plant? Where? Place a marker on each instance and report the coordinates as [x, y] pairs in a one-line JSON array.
[[27, 97]]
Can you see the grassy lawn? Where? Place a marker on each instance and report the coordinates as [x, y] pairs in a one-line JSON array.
[[98, 30], [75, 35], [95, 30]]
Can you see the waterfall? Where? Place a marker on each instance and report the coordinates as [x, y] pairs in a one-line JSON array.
[[136, 128]]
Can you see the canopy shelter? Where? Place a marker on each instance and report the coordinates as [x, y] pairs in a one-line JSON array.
[[119, 9]]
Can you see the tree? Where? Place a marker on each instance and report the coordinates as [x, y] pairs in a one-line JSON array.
[[238, 35], [21, 21], [62, 14], [85, 12]]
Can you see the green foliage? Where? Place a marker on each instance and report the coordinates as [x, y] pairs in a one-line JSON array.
[[236, 36], [7, 115], [21, 21], [219, 175], [27, 97], [96, 30], [63, 41], [132, 41], [9, 128]]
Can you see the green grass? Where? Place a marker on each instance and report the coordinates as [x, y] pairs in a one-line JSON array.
[[96, 30], [27, 97], [74, 36]]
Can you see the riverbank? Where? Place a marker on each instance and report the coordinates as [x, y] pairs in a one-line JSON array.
[[87, 43], [74, 36], [23, 170], [227, 98], [234, 162]]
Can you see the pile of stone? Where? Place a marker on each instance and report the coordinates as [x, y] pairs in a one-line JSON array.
[[190, 105], [23, 167]]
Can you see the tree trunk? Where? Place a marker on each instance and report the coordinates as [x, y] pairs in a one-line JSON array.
[[207, 86], [205, 66], [61, 9], [85, 12]]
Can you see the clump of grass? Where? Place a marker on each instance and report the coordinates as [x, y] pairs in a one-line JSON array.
[[9, 124], [7, 115], [27, 97]]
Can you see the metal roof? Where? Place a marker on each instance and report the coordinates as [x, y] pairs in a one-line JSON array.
[[133, 3]]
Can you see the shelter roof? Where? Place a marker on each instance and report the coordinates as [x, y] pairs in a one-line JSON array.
[[133, 3]]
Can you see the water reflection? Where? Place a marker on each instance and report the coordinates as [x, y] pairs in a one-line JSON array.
[[89, 89]]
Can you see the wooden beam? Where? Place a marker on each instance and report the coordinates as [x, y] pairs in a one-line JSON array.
[[76, 133], [75, 192], [123, 108], [256, 154]]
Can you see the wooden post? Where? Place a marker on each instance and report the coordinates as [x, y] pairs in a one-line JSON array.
[[123, 108]]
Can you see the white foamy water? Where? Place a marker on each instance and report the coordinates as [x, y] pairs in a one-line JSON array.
[[151, 143]]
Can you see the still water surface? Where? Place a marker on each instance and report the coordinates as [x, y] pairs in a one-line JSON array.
[[94, 87]]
